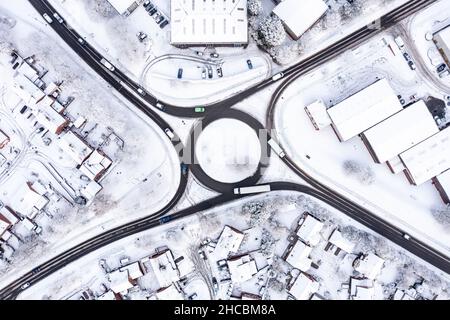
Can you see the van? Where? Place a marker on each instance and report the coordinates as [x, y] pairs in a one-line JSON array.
[[107, 64]]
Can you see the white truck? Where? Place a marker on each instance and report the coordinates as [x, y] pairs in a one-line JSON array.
[[275, 147], [253, 189], [107, 64]]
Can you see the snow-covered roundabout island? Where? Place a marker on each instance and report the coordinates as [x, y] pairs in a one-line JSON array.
[[228, 150]]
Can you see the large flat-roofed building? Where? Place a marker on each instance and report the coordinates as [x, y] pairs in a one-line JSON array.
[[442, 40], [427, 159], [364, 109], [400, 132], [299, 16], [201, 22], [124, 7], [442, 184]]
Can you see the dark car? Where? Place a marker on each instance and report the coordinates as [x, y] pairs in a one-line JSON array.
[[249, 63], [159, 18], [147, 3], [149, 7], [219, 72], [406, 55], [163, 24], [180, 73], [210, 72], [152, 12], [441, 67], [36, 270], [22, 111], [214, 55]]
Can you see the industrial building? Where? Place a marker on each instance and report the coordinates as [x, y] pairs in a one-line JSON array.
[[442, 41], [299, 16], [208, 22], [364, 109], [427, 159], [125, 7], [400, 132]]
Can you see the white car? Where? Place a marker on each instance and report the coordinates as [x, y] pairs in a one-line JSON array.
[[277, 76], [406, 236], [169, 133], [47, 18], [141, 92], [58, 18], [25, 285], [107, 64]]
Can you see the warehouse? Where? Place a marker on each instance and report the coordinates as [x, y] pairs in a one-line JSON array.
[[442, 184], [400, 132], [299, 16], [442, 40], [428, 159], [124, 7], [364, 109], [200, 22]]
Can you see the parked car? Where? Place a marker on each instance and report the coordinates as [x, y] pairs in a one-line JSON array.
[[199, 53], [180, 73], [406, 56], [169, 133], [149, 7], [163, 24], [441, 67], [411, 65], [219, 72], [159, 18], [210, 72], [152, 11], [214, 55], [147, 3], [249, 64], [203, 73], [141, 36], [215, 284]]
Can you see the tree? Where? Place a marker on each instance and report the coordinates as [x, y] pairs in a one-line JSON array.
[[271, 31], [254, 7], [364, 174], [442, 215]]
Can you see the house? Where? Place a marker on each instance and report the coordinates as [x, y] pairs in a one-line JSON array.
[[337, 240], [199, 22], [364, 109], [5, 224], [31, 202], [242, 268], [74, 147], [304, 287], [309, 230], [9, 215], [108, 295], [299, 16], [4, 139], [48, 116], [229, 242], [361, 289], [369, 265], [164, 268], [317, 113], [400, 132], [95, 165], [90, 190], [124, 7], [442, 184], [427, 159], [120, 282], [169, 293], [25, 89], [442, 41], [298, 256], [250, 296]]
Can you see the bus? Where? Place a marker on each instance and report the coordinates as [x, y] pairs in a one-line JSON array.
[[253, 189]]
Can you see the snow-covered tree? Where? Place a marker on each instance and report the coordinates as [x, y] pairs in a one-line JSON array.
[[364, 174], [285, 54], [442, 215], [254, 7], [271, 31], [100, 8]]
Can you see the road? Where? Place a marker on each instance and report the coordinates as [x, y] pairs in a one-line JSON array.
[[120, 82]]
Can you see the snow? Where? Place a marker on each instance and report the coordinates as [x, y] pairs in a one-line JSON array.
[[298, 17], [364, 109], [228, 150], [340, 242], [309, 230], [429, 158], [208, 22], [229, 241], [242, 268], [372, 185], [122, 6], [369, 266], [298, 256], [303, 287], [400, 132]]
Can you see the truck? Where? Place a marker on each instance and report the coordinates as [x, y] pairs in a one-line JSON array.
[[107, 64], [275, 147], [252, 189]]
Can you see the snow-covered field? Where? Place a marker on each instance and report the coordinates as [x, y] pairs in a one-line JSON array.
[[267, 221], [371, 184], [145, 172]]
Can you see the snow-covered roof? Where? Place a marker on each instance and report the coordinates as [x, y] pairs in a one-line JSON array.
[[4, 139], [369, 265], [28, 224], [444, 182], [95, 165], [317, 112], [47, 116], [229, 241], [4, 224], [74, 147], [442, 39], [242, 268], [309, 230], [123, 7], [364, 109], [28, 71], [9, 215], [299, 16], [169, 293], [298, 257], [428, 158], [400, 132], [356, 283], [208, 22], [164, 268], [303, 287], [364, 293], [109, 295], [30, 202], [339, 241], [27, 90], [120, 283], [134, 270], [90, 190]]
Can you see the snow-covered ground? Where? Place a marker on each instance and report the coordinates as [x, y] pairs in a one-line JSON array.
[[228, 150], [145, 172], [267, 221], [370, 184]]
